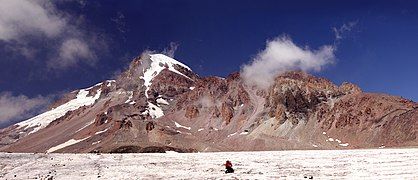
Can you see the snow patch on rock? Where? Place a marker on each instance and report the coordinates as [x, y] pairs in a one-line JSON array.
[[162, 101], [233, 134], [98, 84], [67, 143], [344, 145], [100, 132], [41, 121], [244, 133], [181, 126], [154, 111], [171, 152], [88, 124], [109, 82], [131, 94]]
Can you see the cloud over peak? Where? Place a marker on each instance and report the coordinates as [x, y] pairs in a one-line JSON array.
[[281, 55]]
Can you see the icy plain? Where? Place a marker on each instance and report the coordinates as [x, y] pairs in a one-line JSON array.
[[320, 164]]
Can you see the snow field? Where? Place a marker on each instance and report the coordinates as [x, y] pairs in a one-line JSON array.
[[321, 164]]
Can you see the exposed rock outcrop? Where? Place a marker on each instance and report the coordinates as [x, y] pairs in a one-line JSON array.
[[191, 112]]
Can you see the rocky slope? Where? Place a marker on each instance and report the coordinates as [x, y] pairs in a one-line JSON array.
[[160, 104]]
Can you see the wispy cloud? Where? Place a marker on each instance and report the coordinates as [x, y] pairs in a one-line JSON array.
[[20, 18], [72, 51], [342, 31], [281, 55], [23, 21], [120, 22], [16, 108], [171, 49]]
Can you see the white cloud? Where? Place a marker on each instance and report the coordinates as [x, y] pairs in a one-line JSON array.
[[281, 55], [28, 17], [71, 51], [16, 108], [68, 43]]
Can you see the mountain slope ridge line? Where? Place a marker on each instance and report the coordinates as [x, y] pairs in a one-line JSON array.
[[138, 110]]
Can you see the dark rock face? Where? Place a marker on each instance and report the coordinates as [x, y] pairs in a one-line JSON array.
[[100, 119], [126, 149], [170, 84], [149, 149], [150, 126], [125, 124], [158, 149], [153, 149]]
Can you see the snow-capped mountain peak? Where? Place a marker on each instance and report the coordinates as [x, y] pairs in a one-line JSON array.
[[160, 62], [165, 59]]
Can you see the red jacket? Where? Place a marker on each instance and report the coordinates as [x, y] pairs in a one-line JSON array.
[[228, 164]]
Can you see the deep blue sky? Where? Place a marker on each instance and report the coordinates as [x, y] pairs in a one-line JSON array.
[[216, 37]]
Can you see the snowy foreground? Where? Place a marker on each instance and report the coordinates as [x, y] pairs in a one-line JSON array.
[[321, 164]]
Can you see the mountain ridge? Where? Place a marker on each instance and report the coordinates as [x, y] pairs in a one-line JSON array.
[[160, 104]]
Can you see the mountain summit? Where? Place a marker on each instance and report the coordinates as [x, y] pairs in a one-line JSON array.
[[160, 104]]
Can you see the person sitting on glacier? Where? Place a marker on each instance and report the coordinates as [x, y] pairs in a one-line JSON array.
[[228, 166]]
